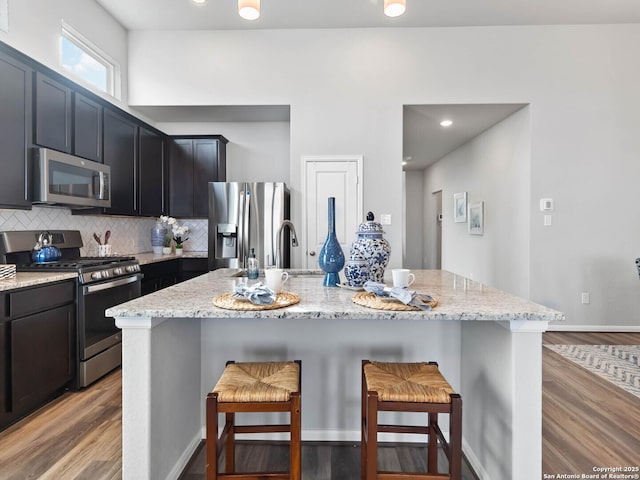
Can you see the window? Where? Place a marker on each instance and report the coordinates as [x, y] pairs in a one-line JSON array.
[[87, 63]]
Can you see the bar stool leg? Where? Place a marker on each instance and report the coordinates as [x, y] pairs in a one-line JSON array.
[[295, 467], [455, 437], [212, 436], [363, 426], [229, 446], [432, 455], [372, 436]]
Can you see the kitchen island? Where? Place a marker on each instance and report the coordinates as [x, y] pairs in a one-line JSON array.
[[487, 342]]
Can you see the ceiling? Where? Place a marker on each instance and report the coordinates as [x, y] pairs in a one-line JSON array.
[[276, 14], [424, 140]]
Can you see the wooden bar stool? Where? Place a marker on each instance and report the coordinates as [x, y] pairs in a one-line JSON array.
[[410, 387], [254, 387]]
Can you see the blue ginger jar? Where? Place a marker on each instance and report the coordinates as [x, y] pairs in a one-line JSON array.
[[371, 245], [331, 259], [356, 270]]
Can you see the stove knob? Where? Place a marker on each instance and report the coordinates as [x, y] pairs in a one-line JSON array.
[[118, 271], [105, 273], [131, 268], [96, 275]]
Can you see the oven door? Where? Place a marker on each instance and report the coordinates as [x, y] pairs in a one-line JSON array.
[[97, 332]]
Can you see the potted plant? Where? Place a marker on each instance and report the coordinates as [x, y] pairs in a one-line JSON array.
[[166, 250], [179, 237]]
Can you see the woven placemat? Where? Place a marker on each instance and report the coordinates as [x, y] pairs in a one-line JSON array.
[[283, 299], [371, 300]]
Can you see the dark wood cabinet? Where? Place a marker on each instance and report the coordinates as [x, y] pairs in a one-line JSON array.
[[15, 132], [52, 114], [37, 347], [192, 267], [159, 275], [193, 163], [120, 153], [153, 174], [87, 128], [41, 356]]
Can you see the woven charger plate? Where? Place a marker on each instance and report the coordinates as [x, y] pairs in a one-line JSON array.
[[371, 300], [283, 299]]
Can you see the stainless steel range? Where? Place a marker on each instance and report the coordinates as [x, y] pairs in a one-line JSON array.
[[102, 283]]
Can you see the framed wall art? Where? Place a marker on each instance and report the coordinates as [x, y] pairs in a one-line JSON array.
[[476, 218], [460, 207]]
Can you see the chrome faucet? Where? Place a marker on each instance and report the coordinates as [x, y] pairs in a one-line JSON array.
[[294, 240]]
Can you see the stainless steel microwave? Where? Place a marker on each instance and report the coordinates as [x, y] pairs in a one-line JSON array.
[[62, 179]]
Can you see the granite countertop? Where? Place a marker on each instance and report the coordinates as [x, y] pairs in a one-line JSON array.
[[30, 279], [149, 257], [459, 299]]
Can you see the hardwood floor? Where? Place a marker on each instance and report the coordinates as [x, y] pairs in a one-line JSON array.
[[587, 422], [77, 436]]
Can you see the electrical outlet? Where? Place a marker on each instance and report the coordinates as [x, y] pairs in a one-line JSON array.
[[385, 219], [586, 298], [547, 220]]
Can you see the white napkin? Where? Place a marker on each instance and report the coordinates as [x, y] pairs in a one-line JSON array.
[[406, 296], [257, 293]]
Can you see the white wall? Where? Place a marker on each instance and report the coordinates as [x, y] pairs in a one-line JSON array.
[[415, 219], [35, 29], [347, 87], [256, 152], [493, 168]]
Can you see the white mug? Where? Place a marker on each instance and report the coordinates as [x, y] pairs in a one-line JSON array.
[[104, 250], [276, 278], [402, 277]]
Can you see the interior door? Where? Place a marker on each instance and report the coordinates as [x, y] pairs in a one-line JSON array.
[[331, 176]]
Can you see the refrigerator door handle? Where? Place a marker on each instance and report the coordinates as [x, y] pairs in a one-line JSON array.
[[241, 233], [245, 228]]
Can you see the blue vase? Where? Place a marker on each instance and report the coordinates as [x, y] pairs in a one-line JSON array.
[[331, 259]]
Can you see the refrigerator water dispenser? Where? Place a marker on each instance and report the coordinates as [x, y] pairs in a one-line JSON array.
[[227, 241]]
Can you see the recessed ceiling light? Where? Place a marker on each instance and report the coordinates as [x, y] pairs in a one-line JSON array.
[[199, 2], [446, 123], [394, 8]]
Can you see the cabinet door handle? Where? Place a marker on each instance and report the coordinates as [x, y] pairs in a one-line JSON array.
[[312, 253]]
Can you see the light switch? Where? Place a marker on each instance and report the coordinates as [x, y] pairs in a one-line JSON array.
[[385, 219]]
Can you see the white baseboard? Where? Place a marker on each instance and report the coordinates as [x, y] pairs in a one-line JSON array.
[[594, 328], [188, 452], [474, 461], [335, 436]]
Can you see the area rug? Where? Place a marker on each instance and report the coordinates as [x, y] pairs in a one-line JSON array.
[[616, 363]]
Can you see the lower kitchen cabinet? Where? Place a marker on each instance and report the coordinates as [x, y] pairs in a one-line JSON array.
[[192, 267], [37, 347], [159, 275]]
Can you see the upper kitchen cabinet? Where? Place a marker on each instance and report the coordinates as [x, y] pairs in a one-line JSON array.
[[15, 134], [193, 163], [52, 114], [120, 153], [87, 131], [152, 173]]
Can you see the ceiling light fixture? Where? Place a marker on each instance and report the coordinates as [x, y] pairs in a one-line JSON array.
[[199, 2], [249, 9], [394, 8], [446, 123]]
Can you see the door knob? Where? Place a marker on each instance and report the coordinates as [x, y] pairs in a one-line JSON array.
[[312, 253]]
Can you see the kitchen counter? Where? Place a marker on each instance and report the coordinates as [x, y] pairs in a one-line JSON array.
[[30, 279], [488, 344], [150, 257], [458, 299]]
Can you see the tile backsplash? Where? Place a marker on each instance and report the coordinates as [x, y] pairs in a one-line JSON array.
[[128, 234]]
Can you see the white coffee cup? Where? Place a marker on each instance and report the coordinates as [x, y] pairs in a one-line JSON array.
[[402, 277], [276, 278]]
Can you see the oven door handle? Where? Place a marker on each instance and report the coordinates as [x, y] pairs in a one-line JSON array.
[[114, 283]]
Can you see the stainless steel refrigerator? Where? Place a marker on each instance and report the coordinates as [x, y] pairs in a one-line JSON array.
[[246, 215]]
